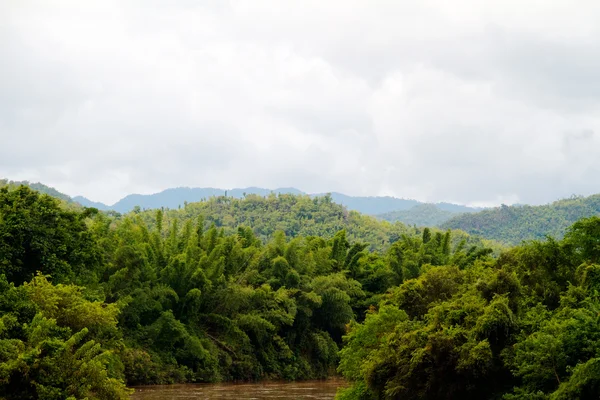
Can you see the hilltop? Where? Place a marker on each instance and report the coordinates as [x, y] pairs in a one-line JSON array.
[[295, 215], [290, 211], [66, 200], [298, 213], [178, 197], [177, 296]]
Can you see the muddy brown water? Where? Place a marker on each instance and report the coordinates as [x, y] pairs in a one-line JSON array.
[[259, 391]]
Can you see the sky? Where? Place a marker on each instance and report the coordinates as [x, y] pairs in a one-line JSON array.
[[466, 101]]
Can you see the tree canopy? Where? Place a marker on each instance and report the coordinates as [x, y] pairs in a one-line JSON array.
[[288, 287], [524, 326], [514, 224]]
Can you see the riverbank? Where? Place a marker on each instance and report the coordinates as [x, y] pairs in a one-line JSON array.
[[318, 389]]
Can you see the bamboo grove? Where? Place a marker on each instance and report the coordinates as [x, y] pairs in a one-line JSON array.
[[91, 303]]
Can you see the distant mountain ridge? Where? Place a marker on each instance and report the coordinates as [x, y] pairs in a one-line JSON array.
[[408, 211], [177, 197], [420, 215], [507, 224], [428, 214]]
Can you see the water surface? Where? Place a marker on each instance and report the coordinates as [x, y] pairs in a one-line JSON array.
[[266, 390]]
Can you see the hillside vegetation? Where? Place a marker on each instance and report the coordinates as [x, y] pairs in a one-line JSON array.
[[121, 301], [177, 197], [38, 187], [295, 215], [524, 326], [91, 302], [513, 224], [420, 215]]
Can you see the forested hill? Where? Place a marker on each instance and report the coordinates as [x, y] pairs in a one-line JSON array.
[[159, 298], [290, 211], [295, 215], [41, 188], [513, 224], [299, 214], [92, 302], [177, 197], [423, 215]]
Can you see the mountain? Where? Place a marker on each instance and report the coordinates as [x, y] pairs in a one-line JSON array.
[[427, 214], [177, 197], [88, 203], [295, 215], [506, 224], [457, 208], [269, 284], [372, 205], [513, 224], [420, 215]]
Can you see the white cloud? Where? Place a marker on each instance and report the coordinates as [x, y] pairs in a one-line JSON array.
[[465, 101]]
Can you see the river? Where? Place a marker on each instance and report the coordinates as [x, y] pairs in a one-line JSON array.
[[324, 390]]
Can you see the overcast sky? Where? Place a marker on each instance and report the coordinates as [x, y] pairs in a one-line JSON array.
[[477, 102]]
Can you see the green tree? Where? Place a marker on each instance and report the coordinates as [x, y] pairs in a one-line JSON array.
[[36, 234]]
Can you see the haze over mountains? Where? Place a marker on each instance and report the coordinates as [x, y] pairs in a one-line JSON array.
[[506, 224], [177, 197]]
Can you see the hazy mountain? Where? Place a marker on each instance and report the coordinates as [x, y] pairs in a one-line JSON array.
[[176, 197], [88, 203], [372, 205], [427, 214], [420, 215], [508, 224], [457, 208]]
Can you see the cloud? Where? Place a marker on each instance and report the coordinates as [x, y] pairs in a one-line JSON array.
[[458, 101]]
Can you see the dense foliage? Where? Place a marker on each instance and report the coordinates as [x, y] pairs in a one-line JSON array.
[[56, 344], [65, 200], [92, 302], [162, 297], [294, 215], [524, 326], [513, 224], [177, 197]]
